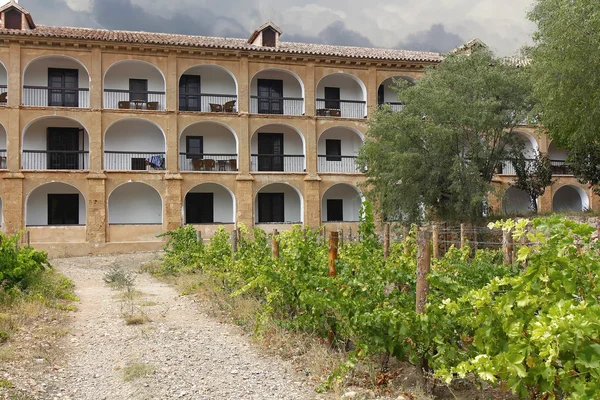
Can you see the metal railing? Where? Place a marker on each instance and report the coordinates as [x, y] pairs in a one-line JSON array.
[[45, 96], [208, 162], [338, 164], [559, 167], [277, 162], [204, 102], [3, 159], [130, 100], [394, 105], [3, 89], [55, 160], [277, 105], [134, 161], [342, 108]]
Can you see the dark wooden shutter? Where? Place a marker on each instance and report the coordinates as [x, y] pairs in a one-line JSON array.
[[13, 19], [138, 89], [333, 149], [269, 38], [189, 93], [63, 209], [199, 208], [59, 142], [380, 94], [60, 80], [335, 210], [332, 98], [270, 96], [194, 147], [271, 207], [270, 145]]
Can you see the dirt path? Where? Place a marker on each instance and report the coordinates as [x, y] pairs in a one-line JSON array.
[[192, 356]]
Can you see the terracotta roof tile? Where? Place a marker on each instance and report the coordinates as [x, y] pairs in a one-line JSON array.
[[222, 43]]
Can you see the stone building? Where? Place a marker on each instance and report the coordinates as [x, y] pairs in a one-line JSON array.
[[110, 138]]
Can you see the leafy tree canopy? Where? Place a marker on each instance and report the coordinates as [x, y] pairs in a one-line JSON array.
[[440, 152], [565, 64]]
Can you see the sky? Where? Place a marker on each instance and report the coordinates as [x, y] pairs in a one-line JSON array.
[[427, 25]]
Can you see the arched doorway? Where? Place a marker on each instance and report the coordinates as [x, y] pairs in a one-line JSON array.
[[278, 203], [341, 203], [204, 87], [570, 198], [134, 84], [276, 91], [341, 95]]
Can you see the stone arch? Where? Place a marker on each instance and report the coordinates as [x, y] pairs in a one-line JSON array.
[[515, 202], [215, 144], [293, 206], [292, 148], [347, 93], [36, 203], [144, 139], [135, 203], [224, 208], [290, 90], [570, 198], [343, 199], [215, 66]]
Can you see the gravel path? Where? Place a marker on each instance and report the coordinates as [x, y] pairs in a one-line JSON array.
[[193, 355]]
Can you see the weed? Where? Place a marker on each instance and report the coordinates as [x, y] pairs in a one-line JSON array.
[[135, 370], [148, 303], [118, 278], [6, 384], [136, 319]]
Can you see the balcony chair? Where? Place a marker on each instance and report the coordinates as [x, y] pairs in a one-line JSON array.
[[335, 113], [228, 107], [124, 105], [3, 97], [321, 112], [152, 105], [215, 107], [222, 165], [209, 165], [233, 164], [197, 164]]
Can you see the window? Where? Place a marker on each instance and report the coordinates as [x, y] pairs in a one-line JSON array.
[[380, 95], [63, 209], [63, 147], [12, 19], [63, 85], [189, 93], [269, 38], [333, 149], [270, 207], [138, 90], [138, 164], [199, 208], [270, 150], [335, 210], [270, 96], [332, 98], [194, 147]]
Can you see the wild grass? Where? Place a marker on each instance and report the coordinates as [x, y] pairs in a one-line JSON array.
[[135, 370]]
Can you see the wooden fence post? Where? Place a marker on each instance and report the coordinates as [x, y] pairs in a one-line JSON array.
[[198, 237], [386, 241], [324, 234], [423, 268], [341, 237], [474, 241], [507, 247], [436, 241], [598, 228], [463, 234], [350, 234], [333, 252], [234, 242], [275, 245], [27, 238]]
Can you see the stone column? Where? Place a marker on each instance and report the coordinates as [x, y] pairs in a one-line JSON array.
[[545, 201], [310, 133], [310, 90], [13, 127], [14, 75], [13, 203], [96, 218], [244, 195], [312, 203], [244, 146], [96, 84], [371, 91], [243, 86], [172, 85], [172, 202], [172, 143]]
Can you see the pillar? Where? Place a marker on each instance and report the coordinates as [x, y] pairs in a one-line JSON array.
[[172, 84], [244, 146], [244, 86], [13, 127], [96, 219], [371, 85], [310, 90], [244, 196], [14, 75], [96, 86], [312, 202], [13, 204], [172, 202], [310, 133], [545, 201]]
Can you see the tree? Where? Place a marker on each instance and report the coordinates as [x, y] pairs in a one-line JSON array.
[[533, 176], [439, 153], [565, 60]]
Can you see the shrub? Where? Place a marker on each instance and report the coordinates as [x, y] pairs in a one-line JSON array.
[[19, 267]]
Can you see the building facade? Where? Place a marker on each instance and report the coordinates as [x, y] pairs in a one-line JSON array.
[[110, 138]]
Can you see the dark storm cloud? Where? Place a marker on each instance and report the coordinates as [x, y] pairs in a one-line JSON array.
[[57, 12], [336, 33], [435, 39]]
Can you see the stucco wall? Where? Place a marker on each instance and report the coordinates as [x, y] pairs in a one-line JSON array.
[[135, 203]]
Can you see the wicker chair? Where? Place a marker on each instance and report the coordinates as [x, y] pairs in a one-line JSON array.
[[228, 107], [209, 164], [335, 113], [196, 164], [152, 105], [124, 105], [3, 97], [233, 164], [216, 107]]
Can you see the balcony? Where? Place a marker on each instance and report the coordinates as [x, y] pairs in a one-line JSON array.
[[341, 95], [135, 213], [134, 144], [338, 148], [208, 147], [134, 85], [3, 159], [207, 88], [3, 85], [277, 148], [387, 94], [278, 92], [279, 205], [55, 143], [56, 81]]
